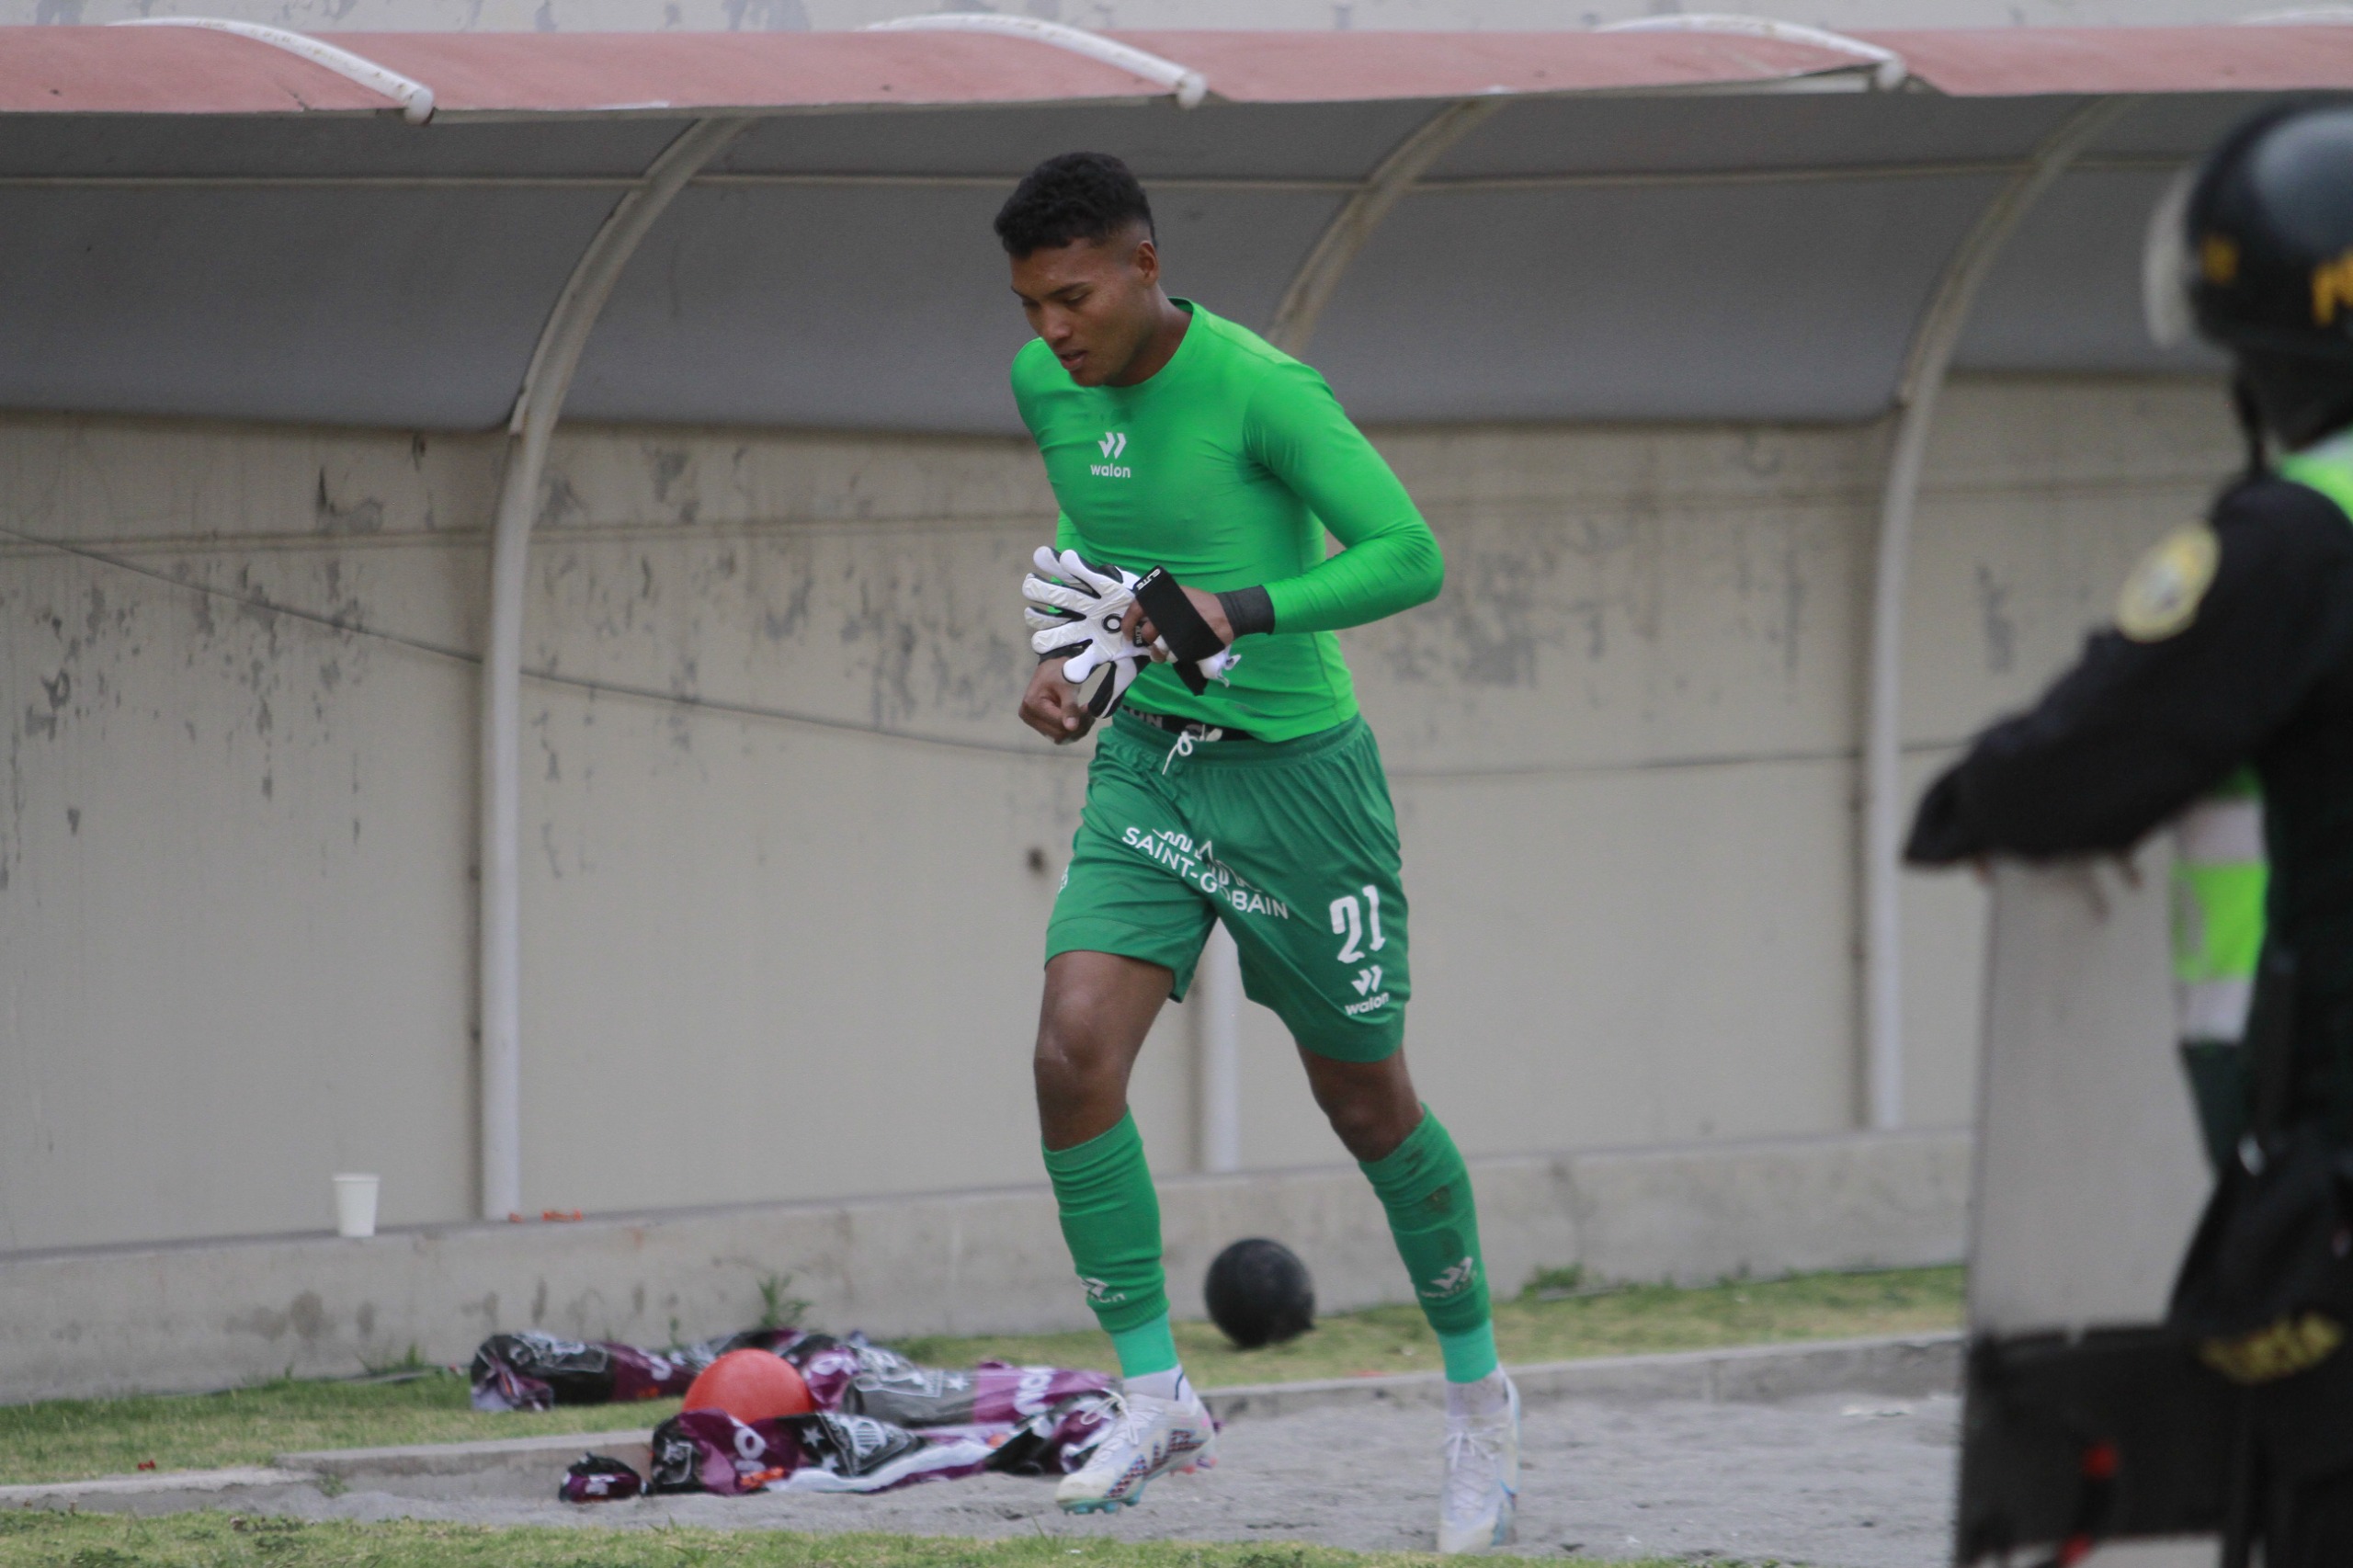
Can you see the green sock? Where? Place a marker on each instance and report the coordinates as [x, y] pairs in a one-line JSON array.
[[1112, 1220], [1425, 1188], [1470, 1354], [1146, 1350]]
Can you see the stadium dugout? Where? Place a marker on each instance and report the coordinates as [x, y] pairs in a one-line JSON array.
[[628, 813]]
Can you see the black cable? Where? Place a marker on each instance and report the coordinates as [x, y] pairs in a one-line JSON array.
[[789, 716], [250, 602], [1665, 764], [549, 677]]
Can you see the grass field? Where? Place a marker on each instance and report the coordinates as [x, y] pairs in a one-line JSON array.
[[1529, 1327], [72, 1439], [31, 1539]]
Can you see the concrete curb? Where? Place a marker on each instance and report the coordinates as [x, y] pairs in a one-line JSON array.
[[105, 1488], [1894, 1364], [535, 1454]]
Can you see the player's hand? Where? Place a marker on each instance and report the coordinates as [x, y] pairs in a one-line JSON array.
[[1212, 611], [1054, 707]]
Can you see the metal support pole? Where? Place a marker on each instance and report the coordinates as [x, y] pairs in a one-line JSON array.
[[533, 422], [1888, 71], [1217, 993], [1344, 238], [1934, 339], [414, 97], [1182, 83]]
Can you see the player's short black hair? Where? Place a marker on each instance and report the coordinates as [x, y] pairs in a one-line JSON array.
[[1077, 195]]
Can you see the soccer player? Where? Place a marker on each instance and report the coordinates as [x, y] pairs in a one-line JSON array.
[[1176, 439]]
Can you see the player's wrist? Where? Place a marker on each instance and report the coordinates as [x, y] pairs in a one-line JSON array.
[[1248, 610]]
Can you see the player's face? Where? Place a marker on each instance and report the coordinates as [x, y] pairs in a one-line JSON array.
[[1094, 302]]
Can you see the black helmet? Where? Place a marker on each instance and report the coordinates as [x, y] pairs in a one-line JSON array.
[[2254, 249]]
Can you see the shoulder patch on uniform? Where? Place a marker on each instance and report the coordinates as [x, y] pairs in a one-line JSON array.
[[2162, 596]]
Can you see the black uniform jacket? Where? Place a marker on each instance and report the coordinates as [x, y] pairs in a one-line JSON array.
[[2263, 672]]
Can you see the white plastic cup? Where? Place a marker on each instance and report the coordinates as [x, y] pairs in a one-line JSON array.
[[355, 1205]]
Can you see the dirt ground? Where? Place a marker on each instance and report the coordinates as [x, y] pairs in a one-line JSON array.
[[1843, 1482]]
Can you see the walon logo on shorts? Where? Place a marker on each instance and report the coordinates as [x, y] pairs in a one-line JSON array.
[[1113, 444]]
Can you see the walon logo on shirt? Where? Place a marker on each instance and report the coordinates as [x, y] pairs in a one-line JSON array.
[[1113, 444]]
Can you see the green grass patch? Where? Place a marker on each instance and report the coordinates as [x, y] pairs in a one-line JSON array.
[[1558, 1318], [1553, 1320], [31, 1539], [70, 1439]]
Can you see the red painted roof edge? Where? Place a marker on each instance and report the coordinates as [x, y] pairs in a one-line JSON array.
[[2026, 62], [143, 70], [136, 70]]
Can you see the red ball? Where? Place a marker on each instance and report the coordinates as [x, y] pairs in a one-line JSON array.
[[751, 1385]]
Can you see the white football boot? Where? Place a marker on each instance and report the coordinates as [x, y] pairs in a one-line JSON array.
[[1482, 1475], [1149, 1437]]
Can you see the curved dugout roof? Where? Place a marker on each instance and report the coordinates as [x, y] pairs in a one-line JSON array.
[[1654, 225]]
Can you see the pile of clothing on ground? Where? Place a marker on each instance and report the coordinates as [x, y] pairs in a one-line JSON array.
[[875, 1419]]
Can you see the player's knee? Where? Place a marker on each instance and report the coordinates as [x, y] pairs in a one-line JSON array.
[[1371, 1109], [1074, 1049], [1368, 1124], [1059, 1070], [1074, 1086]]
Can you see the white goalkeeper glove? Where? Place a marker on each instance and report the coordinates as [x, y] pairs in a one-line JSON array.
[[1084, 616]]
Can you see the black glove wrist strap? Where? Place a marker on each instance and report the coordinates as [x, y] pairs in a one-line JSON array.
[[1184, 629], [1248, 610]]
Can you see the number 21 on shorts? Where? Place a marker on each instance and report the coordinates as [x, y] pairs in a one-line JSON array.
[[1352, 920]]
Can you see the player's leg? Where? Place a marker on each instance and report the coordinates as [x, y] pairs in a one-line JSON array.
[[1425, 1188], [1315, 828], [1126, 931], [1097, 1009]]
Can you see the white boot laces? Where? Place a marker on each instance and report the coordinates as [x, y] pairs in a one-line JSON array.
[[1473, 1448], [1129, 1428]]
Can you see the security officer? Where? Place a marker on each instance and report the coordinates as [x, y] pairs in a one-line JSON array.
[[2230, 659]]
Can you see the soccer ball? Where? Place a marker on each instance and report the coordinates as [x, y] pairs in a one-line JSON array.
[[1259, 1293]]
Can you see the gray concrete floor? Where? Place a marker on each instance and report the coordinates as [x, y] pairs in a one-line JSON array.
[[1855, 1481]]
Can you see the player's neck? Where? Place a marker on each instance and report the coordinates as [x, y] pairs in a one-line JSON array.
[[1167, 333]]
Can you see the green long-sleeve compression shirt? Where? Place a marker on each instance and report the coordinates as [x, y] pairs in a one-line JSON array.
[[1228, 466]]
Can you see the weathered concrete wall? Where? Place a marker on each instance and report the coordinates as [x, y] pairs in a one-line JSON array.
[[234, 864], [214, 1315], [768, 959]]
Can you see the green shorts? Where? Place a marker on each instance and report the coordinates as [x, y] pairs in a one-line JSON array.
[[1292, 843]]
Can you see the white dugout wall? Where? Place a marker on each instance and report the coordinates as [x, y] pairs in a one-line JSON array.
[[768, 959], [1628, 312]]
